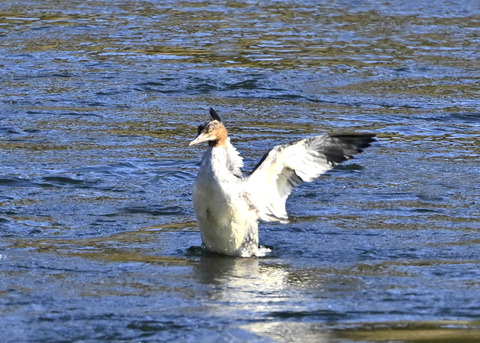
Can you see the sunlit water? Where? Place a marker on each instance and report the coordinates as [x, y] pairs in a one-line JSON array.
[[99, 100]]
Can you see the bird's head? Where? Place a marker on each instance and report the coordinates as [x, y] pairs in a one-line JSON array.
[[212, 131]]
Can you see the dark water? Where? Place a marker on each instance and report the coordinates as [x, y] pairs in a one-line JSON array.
[[98, 101]]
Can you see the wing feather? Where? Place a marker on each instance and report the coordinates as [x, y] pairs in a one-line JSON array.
[[234, 160], [286, 166]]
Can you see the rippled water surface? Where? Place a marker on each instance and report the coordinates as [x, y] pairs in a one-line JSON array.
[[99, 99]]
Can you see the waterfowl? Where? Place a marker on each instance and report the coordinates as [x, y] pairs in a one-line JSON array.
[[228, 205]]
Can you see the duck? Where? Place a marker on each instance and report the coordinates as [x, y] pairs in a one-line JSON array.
[[228, 205]]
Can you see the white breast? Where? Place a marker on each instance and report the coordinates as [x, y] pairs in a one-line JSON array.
[[227, 223]]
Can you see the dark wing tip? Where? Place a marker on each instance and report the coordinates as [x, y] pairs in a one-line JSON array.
[[214, 115], [346, 146], [360, 140]]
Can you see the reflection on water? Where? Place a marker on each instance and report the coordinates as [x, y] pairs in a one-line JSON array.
[[99, 100]]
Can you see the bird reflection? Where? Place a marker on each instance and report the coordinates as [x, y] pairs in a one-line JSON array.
[[241, 279]]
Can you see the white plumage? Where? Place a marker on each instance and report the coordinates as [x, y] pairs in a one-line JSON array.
[[228, 206]]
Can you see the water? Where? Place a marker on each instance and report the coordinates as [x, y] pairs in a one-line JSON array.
[[99, 100]]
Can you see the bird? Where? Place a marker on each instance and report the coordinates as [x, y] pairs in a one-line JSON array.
[[228, 205]]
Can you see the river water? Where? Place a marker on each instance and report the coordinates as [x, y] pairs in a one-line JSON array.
[[99, 100]]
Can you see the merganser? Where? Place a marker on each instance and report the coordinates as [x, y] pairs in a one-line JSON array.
[[228, 206]]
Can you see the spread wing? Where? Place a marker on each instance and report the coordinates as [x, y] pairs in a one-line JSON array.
[[286, 166]]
